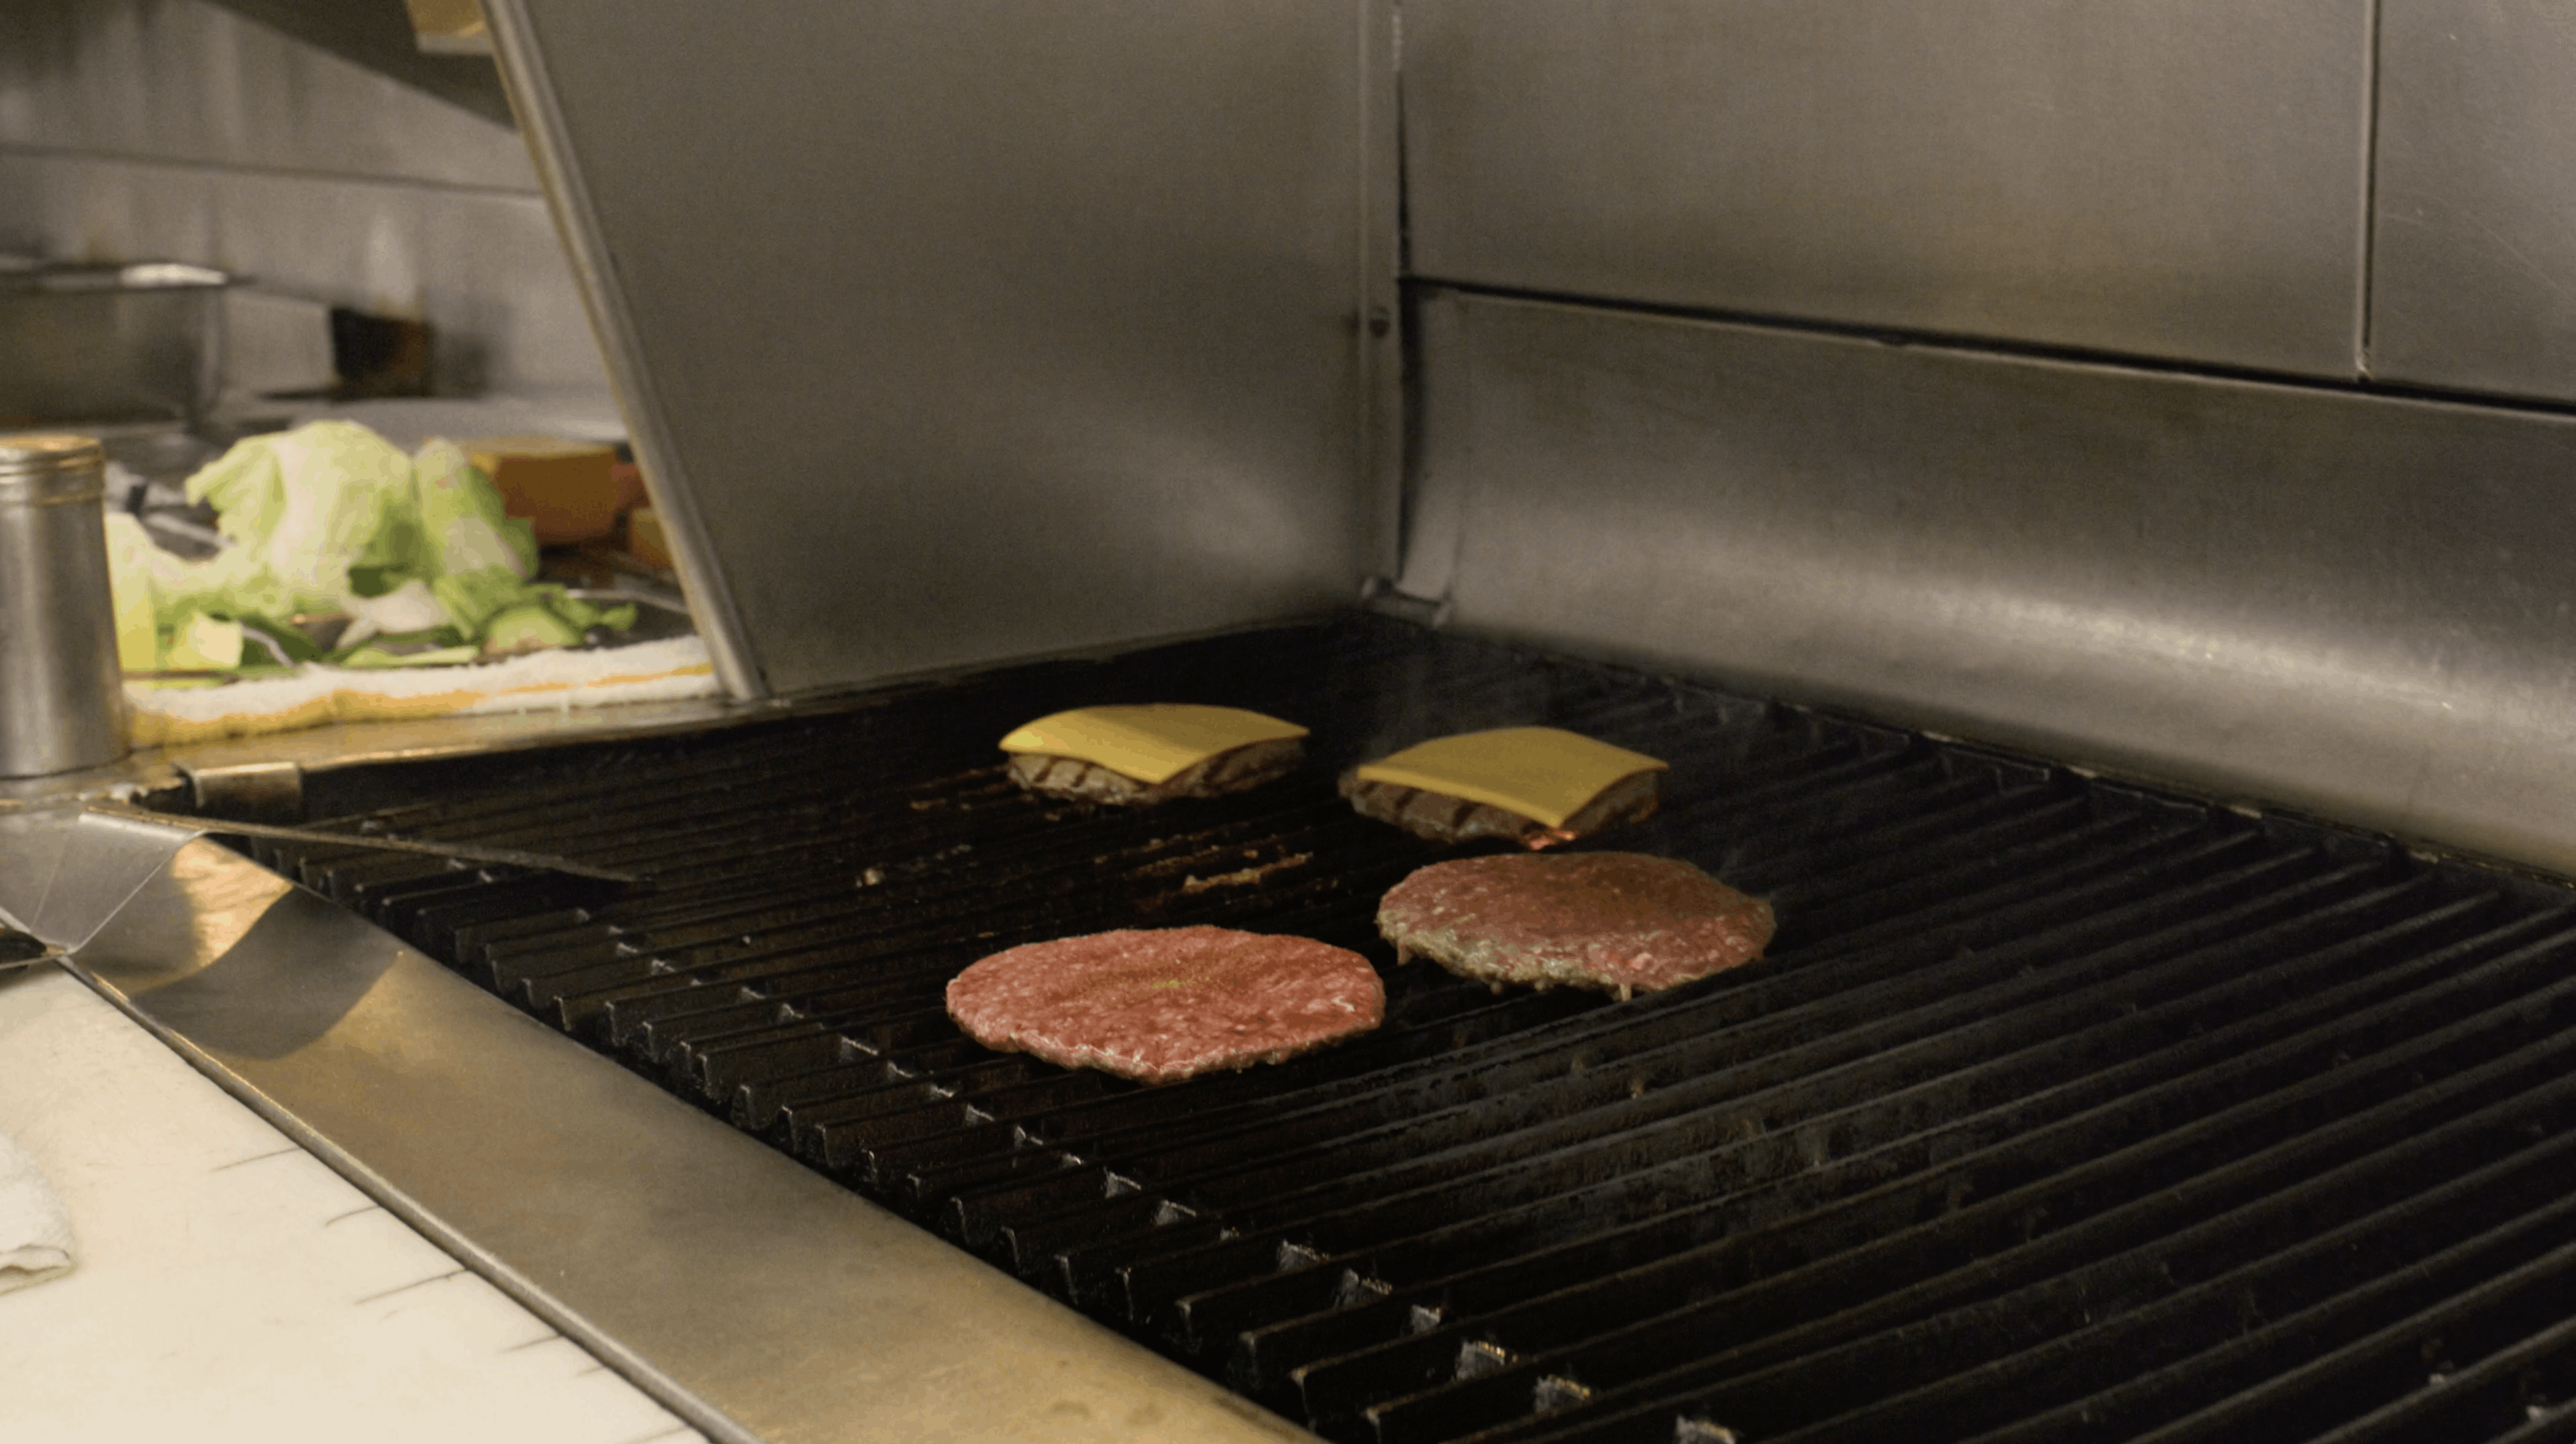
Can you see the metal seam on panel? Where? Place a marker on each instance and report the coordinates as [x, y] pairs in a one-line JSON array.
[[2369, 238]]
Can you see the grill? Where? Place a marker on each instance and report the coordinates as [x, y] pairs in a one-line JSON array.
[[2122, 382], [2061, 1109]]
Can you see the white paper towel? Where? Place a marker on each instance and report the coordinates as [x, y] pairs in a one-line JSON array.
[[35, 1233]]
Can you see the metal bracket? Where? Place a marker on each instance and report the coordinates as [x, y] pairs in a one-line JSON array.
[[1384, 597]]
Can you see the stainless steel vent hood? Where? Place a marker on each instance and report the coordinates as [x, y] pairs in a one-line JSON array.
[[954, 332], [1746, 340]]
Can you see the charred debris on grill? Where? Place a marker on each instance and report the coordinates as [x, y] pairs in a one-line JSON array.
[[2059, 1109]]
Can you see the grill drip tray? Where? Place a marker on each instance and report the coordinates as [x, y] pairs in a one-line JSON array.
[[2060, 1111]]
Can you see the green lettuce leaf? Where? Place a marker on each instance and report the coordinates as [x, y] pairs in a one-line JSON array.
[[462, 524], [473, 598], [331, 518], [326, 511]]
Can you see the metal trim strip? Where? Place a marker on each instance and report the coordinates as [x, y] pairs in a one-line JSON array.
[[1379, 284]]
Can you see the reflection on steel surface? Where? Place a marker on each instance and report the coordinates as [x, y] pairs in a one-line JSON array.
[[960, 330], [2338, 602], [98, 863], [62, 702], [2473, 261]]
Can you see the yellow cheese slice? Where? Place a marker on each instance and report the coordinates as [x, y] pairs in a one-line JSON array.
[[1153, 742], [1537, 772]]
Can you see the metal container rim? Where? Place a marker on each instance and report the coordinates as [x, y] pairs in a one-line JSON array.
[[50, 468]]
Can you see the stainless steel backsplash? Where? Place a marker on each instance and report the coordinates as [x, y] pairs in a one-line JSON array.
[[2008, 368], [177, 130]]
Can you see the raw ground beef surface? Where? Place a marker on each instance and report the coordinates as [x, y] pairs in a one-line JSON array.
[[1165, 1004], [1620, 921]]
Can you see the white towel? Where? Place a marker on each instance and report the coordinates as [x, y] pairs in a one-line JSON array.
[[557, 679], [35, 1233]]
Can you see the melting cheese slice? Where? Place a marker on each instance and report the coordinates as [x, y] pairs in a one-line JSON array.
[[1151, 743], [1537, 772]]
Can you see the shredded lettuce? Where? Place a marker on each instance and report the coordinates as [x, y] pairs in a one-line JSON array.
[[462, 523], [474, 598], [332, 519], [326, 511], [205, 643], [373, 656]]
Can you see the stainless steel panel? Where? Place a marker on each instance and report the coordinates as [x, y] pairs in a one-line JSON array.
[[2473, 276], [184, 81], [483, 267], [2173, 178], [2360, 606], [756, 1299], [31, 843], [956, 330], [380, 38], [97, 864]]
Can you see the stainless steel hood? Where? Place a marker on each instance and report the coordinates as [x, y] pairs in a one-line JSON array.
[[953, 332]]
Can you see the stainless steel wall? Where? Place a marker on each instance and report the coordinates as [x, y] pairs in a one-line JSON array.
[[955, 330], [2473, 279], [2172, 178], [2189, 180], [2356, 605], [990, 328], [177, 130], [2322, 595]]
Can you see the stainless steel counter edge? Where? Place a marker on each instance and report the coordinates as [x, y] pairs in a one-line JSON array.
[[754, 1297]]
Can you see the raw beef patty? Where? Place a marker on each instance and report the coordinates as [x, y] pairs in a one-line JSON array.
[[1620, 921], [1166, 1004]]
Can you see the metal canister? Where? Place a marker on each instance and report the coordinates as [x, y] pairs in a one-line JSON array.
[[62, 697]]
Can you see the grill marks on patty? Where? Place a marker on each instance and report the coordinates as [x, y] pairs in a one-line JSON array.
[[1230, 771], [1161, 1005], [1619, 921], [1443, 818]]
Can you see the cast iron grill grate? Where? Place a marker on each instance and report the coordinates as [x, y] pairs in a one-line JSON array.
[[2060, 1111]]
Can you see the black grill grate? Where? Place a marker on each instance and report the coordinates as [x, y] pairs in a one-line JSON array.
[[2061, 1110]]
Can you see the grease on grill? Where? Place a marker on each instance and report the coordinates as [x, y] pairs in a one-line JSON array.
[[1246, 876]]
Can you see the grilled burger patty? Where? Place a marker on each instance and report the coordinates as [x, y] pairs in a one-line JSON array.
[[1620, 921], [1443, 818], [1160, 1005], [1230, 771]]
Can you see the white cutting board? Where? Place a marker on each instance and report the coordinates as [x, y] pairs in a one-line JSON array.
[[228, 1286]]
